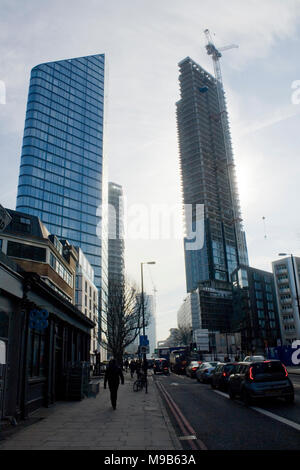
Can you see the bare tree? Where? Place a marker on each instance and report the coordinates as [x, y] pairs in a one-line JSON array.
[[181, 336], [123, 319]]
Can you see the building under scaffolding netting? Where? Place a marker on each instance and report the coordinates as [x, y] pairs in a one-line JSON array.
[[208, 178]]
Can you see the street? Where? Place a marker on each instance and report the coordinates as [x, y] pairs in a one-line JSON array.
[[222, 424]]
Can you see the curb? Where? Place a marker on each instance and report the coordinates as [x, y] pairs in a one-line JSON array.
[[176, 443]]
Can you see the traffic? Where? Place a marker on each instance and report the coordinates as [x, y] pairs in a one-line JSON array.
[[250, 379], [249, 404]]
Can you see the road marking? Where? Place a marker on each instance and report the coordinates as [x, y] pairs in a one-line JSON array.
[[174, 383], [278, 418], [221, 393], [187, 438], [292, 424]]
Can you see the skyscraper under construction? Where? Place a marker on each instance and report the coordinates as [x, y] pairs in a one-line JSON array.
[[207, 176]]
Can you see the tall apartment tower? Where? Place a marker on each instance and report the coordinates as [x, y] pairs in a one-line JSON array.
[[206, 176], [62, 174], [286, 273], [116, 263]]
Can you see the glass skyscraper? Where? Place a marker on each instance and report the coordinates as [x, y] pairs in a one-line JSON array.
[[62, 176]]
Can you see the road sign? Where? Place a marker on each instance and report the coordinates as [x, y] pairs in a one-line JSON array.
[[144, 341], [144, 349], [5, 218], [38, 319]]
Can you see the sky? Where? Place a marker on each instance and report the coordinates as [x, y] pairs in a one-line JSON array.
[[143, 42]]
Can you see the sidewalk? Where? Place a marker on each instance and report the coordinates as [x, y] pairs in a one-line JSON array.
[[139, 422], [293, 370]]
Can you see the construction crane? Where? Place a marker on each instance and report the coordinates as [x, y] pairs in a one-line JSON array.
[[216, 55]]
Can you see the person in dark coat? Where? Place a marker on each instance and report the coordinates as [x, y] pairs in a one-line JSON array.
[[138, 366], [113, 374], [132, 367]]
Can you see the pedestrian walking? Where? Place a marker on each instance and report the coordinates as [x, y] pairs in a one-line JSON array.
[[126, 364], [113, 374], [132, 368], [138, 368]]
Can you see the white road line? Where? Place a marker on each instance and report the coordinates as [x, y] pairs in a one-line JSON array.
[[292, 424], [187, 438], [278, 418], [221, 393]]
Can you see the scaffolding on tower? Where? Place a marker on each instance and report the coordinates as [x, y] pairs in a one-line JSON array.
[[236, 216]]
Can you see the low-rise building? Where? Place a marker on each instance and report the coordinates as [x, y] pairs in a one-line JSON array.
[[65, 268], [215, 302], [27, 241], [46, 343], [86, 298], [287, 283], [255, 313]]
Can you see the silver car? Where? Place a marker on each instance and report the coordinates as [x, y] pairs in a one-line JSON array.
[[254, 358], [203, 374]]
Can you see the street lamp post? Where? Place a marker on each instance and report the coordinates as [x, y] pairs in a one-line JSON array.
[[295, 279], [143, 313]]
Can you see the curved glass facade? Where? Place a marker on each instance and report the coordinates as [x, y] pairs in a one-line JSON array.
[[61, 170]]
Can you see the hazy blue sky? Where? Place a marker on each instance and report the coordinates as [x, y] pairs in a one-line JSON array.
[[143, 41]]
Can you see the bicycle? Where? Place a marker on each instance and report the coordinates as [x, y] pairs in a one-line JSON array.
[[140, 383]]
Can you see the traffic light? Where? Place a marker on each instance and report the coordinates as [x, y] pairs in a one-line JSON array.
[[193, 346]]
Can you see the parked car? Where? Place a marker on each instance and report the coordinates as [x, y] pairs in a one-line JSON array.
[[262, 379], [191, 369], [221, 374], [161, 366], [204, 372], [253, 358]]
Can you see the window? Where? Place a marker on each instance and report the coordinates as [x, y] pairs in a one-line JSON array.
[[265, 368], [4, 323], [261, 314], [36, 365], [61, 270], [20, 250]]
